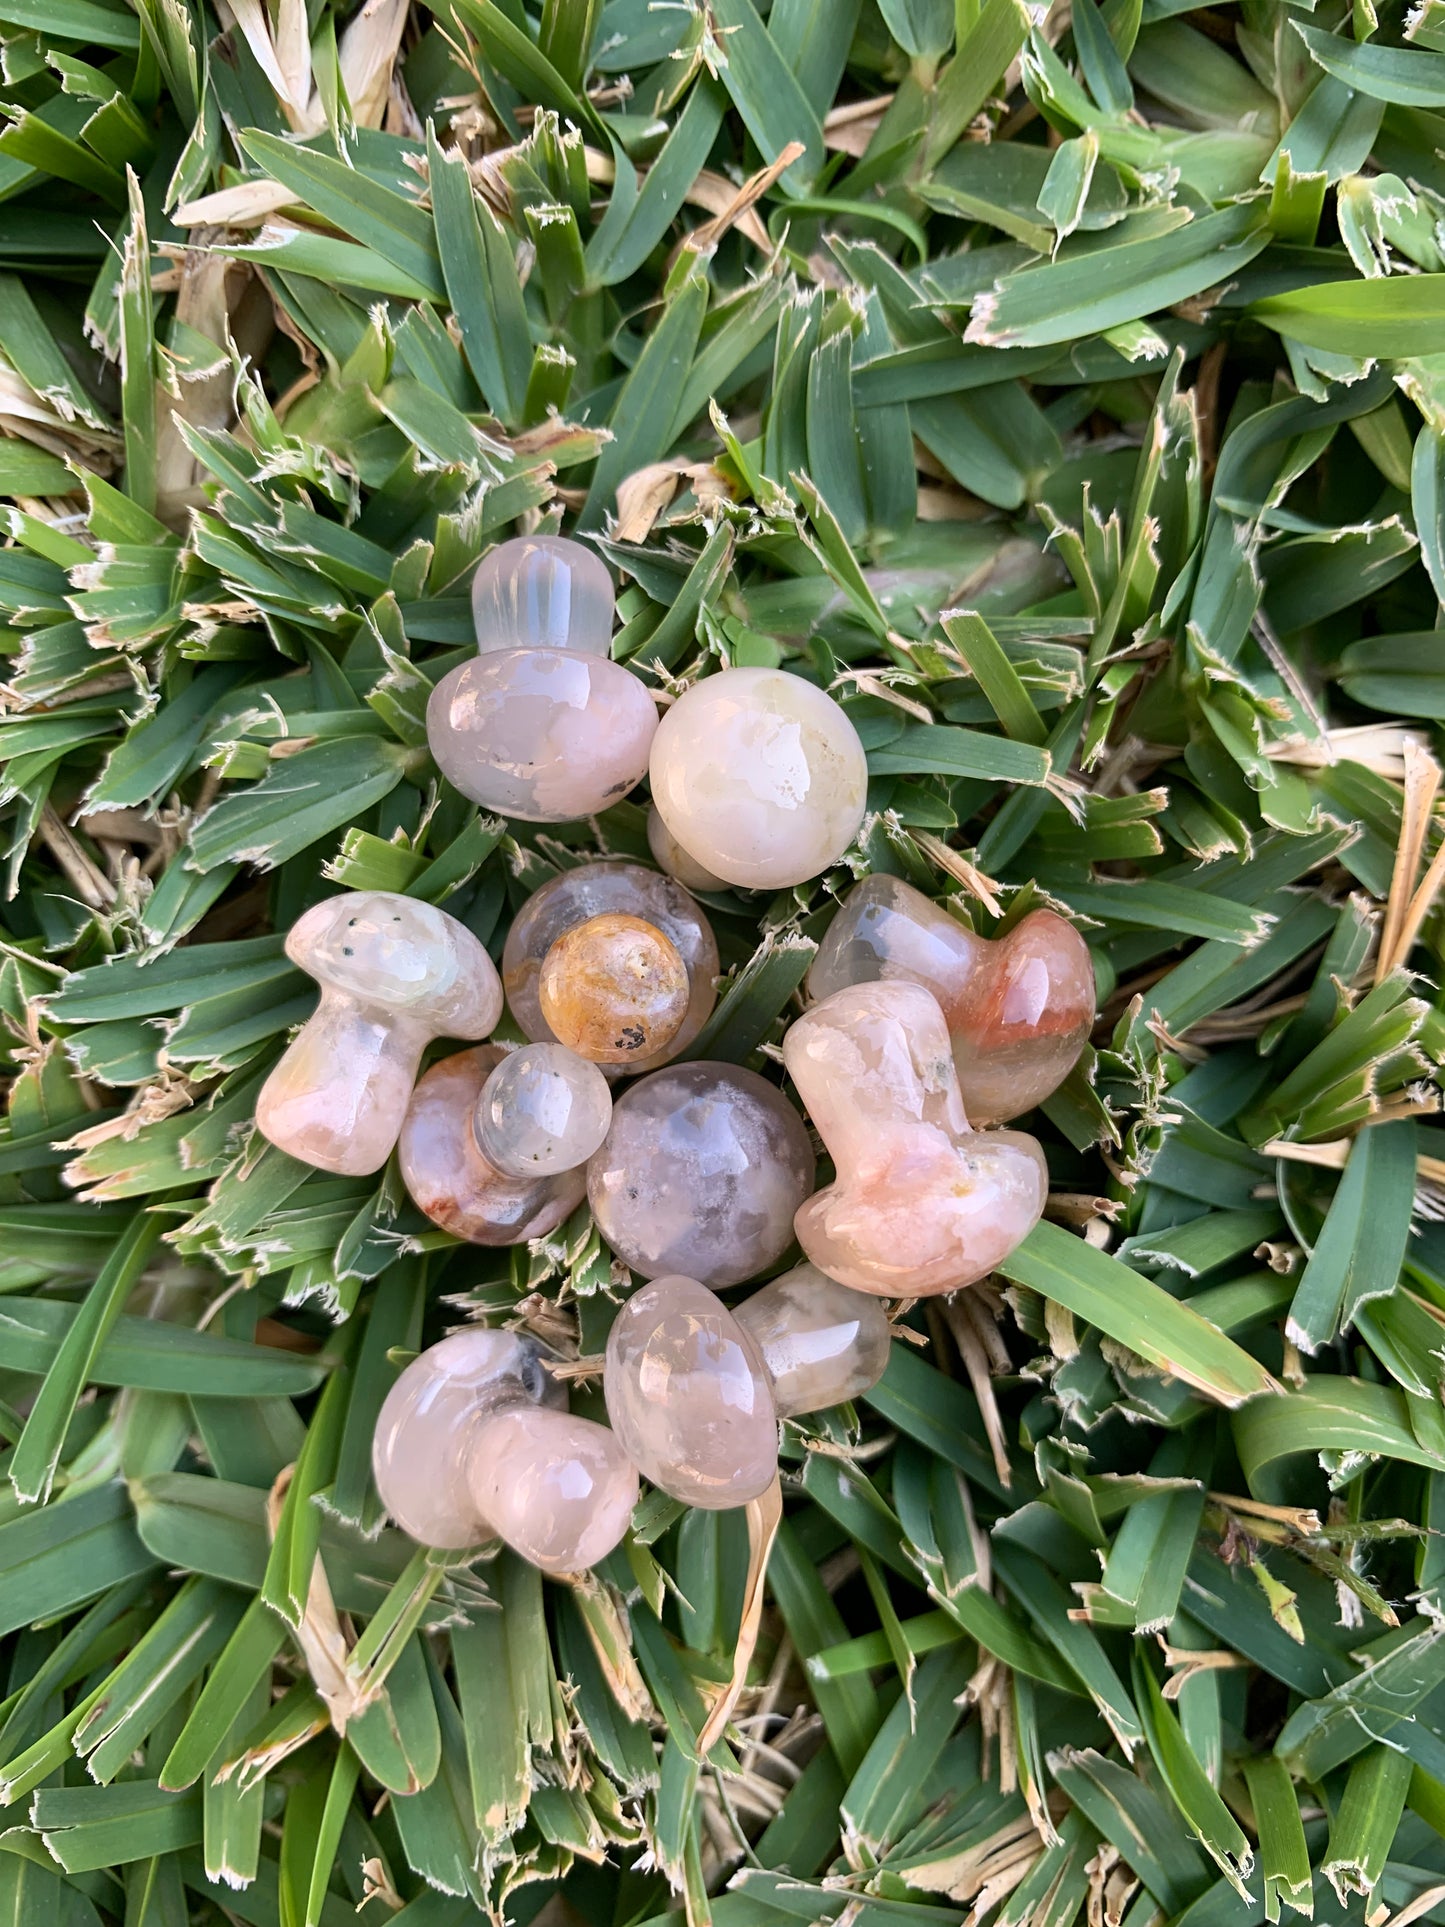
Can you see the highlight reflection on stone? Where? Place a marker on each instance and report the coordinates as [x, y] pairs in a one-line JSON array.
[[922, 1204], [542, 591], [394, 974], [669, 855], [760, 777], [688, 1396], [558, 1489], [544, 735], [701, 1172], [614, 989], [451, 1181], [542, 1110], [1018, 1009], [820, 1341], [599, 889], [418, 1452]]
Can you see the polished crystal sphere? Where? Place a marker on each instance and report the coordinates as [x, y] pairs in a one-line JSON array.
[[394, 974], [542, 591], [688, 1396], [601, 889], [614, 989], [449, 1178], [545, 735], [558, 1489], [1018, 1009], [701, 1172], [821, 1341], [541, 1111], [419, 1449], [922, 1204], [760, 777]]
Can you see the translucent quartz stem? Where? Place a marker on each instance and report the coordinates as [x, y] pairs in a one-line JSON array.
[[558, 1489], [688, 1396], [542, 591], [921, 1203], [820, 1341]]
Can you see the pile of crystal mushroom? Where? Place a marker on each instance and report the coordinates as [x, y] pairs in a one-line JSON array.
[[700, 1175]]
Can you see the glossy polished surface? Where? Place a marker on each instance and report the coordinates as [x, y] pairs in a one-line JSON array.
[[922, 1204], [597, 889], [542, 1110], [419, 1451], [760, 777], [451, 1181], [394, 974], [542, 591], [820, 1341], [688, 1396], [558, 1489], [614, 989], [701, 1173], [669, 855], [545, 735], [1018, 1010]]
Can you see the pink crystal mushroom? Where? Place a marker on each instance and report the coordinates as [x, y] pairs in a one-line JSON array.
[[394, 974], [688, 1396], [1018, 1009], [543, 725], [475, 1441], [922, 1204], [701, 1172], [595, 890], [428, 1416], [447, 1175]]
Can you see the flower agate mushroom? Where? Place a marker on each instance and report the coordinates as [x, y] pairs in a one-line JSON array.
[[821, 1342], [430, 1412], [595, 890], [760, 777], [922, 1204], [543, 725], [614, 989], [1018, 1009], [475, 1441], [394, 974], [688, 1396], [453, 1183], [701, 1173], [541, 1111]]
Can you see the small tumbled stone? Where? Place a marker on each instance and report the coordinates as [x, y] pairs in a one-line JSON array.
[[922, 1204], [701, 1173], [558, 1489], [541, 1111], [1018, 1009], [601, 889], [614, 989], [821, 1341], [688, 1396], [448, 1177], [545, 735], [542, 591], [760, 777], [669, 855], [394, 973], [419, 1449]]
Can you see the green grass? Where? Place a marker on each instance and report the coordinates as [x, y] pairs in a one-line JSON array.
[[1025, 398]]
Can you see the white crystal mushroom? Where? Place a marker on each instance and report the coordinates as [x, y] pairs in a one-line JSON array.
[[394, 974]]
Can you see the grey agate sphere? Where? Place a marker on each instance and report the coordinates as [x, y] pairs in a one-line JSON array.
[[701, 1173]]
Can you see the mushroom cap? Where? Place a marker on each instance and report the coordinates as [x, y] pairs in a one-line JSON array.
[[395, 953]]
